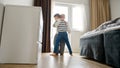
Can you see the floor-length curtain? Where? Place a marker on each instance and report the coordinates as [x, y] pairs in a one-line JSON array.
[[100, 12], [46, 10]]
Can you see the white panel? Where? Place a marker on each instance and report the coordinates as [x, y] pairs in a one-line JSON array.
[[1, 15], [75, 41], [20, 35]]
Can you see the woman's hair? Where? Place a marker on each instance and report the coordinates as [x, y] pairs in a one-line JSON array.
[[58, 15]]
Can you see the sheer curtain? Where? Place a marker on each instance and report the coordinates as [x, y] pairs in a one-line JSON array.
[[86, 16], [81, 16]]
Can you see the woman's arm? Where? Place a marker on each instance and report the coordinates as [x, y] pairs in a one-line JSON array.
[[56, 23]]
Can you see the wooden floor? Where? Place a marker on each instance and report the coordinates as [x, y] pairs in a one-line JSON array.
[[66, 61]]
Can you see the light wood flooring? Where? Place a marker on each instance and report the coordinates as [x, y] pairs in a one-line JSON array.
[[66, 61]]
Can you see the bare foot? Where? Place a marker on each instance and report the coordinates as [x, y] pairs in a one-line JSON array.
[[71, 55], [53, 54]]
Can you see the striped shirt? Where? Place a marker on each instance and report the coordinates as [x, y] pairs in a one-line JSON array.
[[61, 26]]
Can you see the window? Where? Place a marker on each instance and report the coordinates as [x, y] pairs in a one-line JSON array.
[[77, 17], [62, 10], [73, 15]]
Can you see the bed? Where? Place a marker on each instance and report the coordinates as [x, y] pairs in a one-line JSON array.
[[103, 43]]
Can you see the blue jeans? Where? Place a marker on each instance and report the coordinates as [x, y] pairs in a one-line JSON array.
[[63, 36], [61, 44]]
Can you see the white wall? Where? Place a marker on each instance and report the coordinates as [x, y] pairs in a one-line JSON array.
[[75, 35], [17, 2], [115, 8]]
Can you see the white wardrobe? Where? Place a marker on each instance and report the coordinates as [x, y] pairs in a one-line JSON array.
[[1, 16], [20, 33]]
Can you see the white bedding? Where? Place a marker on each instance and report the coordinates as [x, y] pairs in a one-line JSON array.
[[92, 33], [105, 27]]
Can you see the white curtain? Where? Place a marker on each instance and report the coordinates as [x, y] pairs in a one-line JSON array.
[[52, 21]]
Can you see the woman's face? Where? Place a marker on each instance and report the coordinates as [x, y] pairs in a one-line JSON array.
[[56, 17]]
